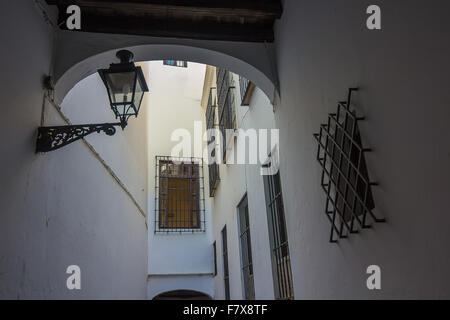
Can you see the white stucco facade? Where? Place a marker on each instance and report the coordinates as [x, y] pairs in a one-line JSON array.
[[177, 100], [237, 180], [174, 103], [95, 209], [65, 208], [324, 48]]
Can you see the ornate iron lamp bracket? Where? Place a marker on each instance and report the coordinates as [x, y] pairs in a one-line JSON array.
[[53, 138]]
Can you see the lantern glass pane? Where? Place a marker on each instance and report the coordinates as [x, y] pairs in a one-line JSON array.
[[120, 87], [125, 109], [139, 93]]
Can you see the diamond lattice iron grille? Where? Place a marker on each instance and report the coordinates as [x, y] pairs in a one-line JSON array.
[[345, 180]]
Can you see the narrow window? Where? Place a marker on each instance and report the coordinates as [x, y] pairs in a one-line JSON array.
[[226, 107], [246, 89], [246, 250], [345, 158], [281, 264], [226, 276], [213, 166], [215, 258], [175, 63]]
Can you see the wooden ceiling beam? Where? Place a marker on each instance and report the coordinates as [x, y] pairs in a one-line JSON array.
[[231, 20], [204, 30], [266, 8]]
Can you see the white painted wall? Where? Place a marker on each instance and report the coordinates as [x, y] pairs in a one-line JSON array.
[[158, 284], [51, 218], [323, 48], [174, 103], [126, 151], [259, 115], [63, 208], [235, 181]]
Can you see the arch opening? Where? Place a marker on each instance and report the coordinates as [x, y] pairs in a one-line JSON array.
[[71, 70]]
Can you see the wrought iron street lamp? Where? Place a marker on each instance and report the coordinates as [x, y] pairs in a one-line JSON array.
[[125, 84]]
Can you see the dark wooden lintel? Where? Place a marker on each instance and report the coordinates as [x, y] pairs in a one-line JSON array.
[[231, 20], [178, 29], [271, 8]]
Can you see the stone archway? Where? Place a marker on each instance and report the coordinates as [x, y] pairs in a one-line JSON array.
[[81, 54]]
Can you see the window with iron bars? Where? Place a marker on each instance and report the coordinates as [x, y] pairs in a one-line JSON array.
[[226, 274], [246, 88], [175, 63], [215, 258], [279, 245], [246, 249], [226, 108], [179, 195], [213, 165]]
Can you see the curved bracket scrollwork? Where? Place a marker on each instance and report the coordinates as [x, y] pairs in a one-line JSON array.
[[53, 138]]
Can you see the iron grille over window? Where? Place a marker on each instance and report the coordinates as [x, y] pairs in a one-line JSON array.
[[179, 201], [345, 178], [175, 63], [281, 262], [246, 88], [226, 107], [215, 258], [246, 250], [226, 275], [213, 165]]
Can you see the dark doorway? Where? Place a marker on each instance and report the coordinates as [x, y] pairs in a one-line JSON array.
[[182, 295]]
